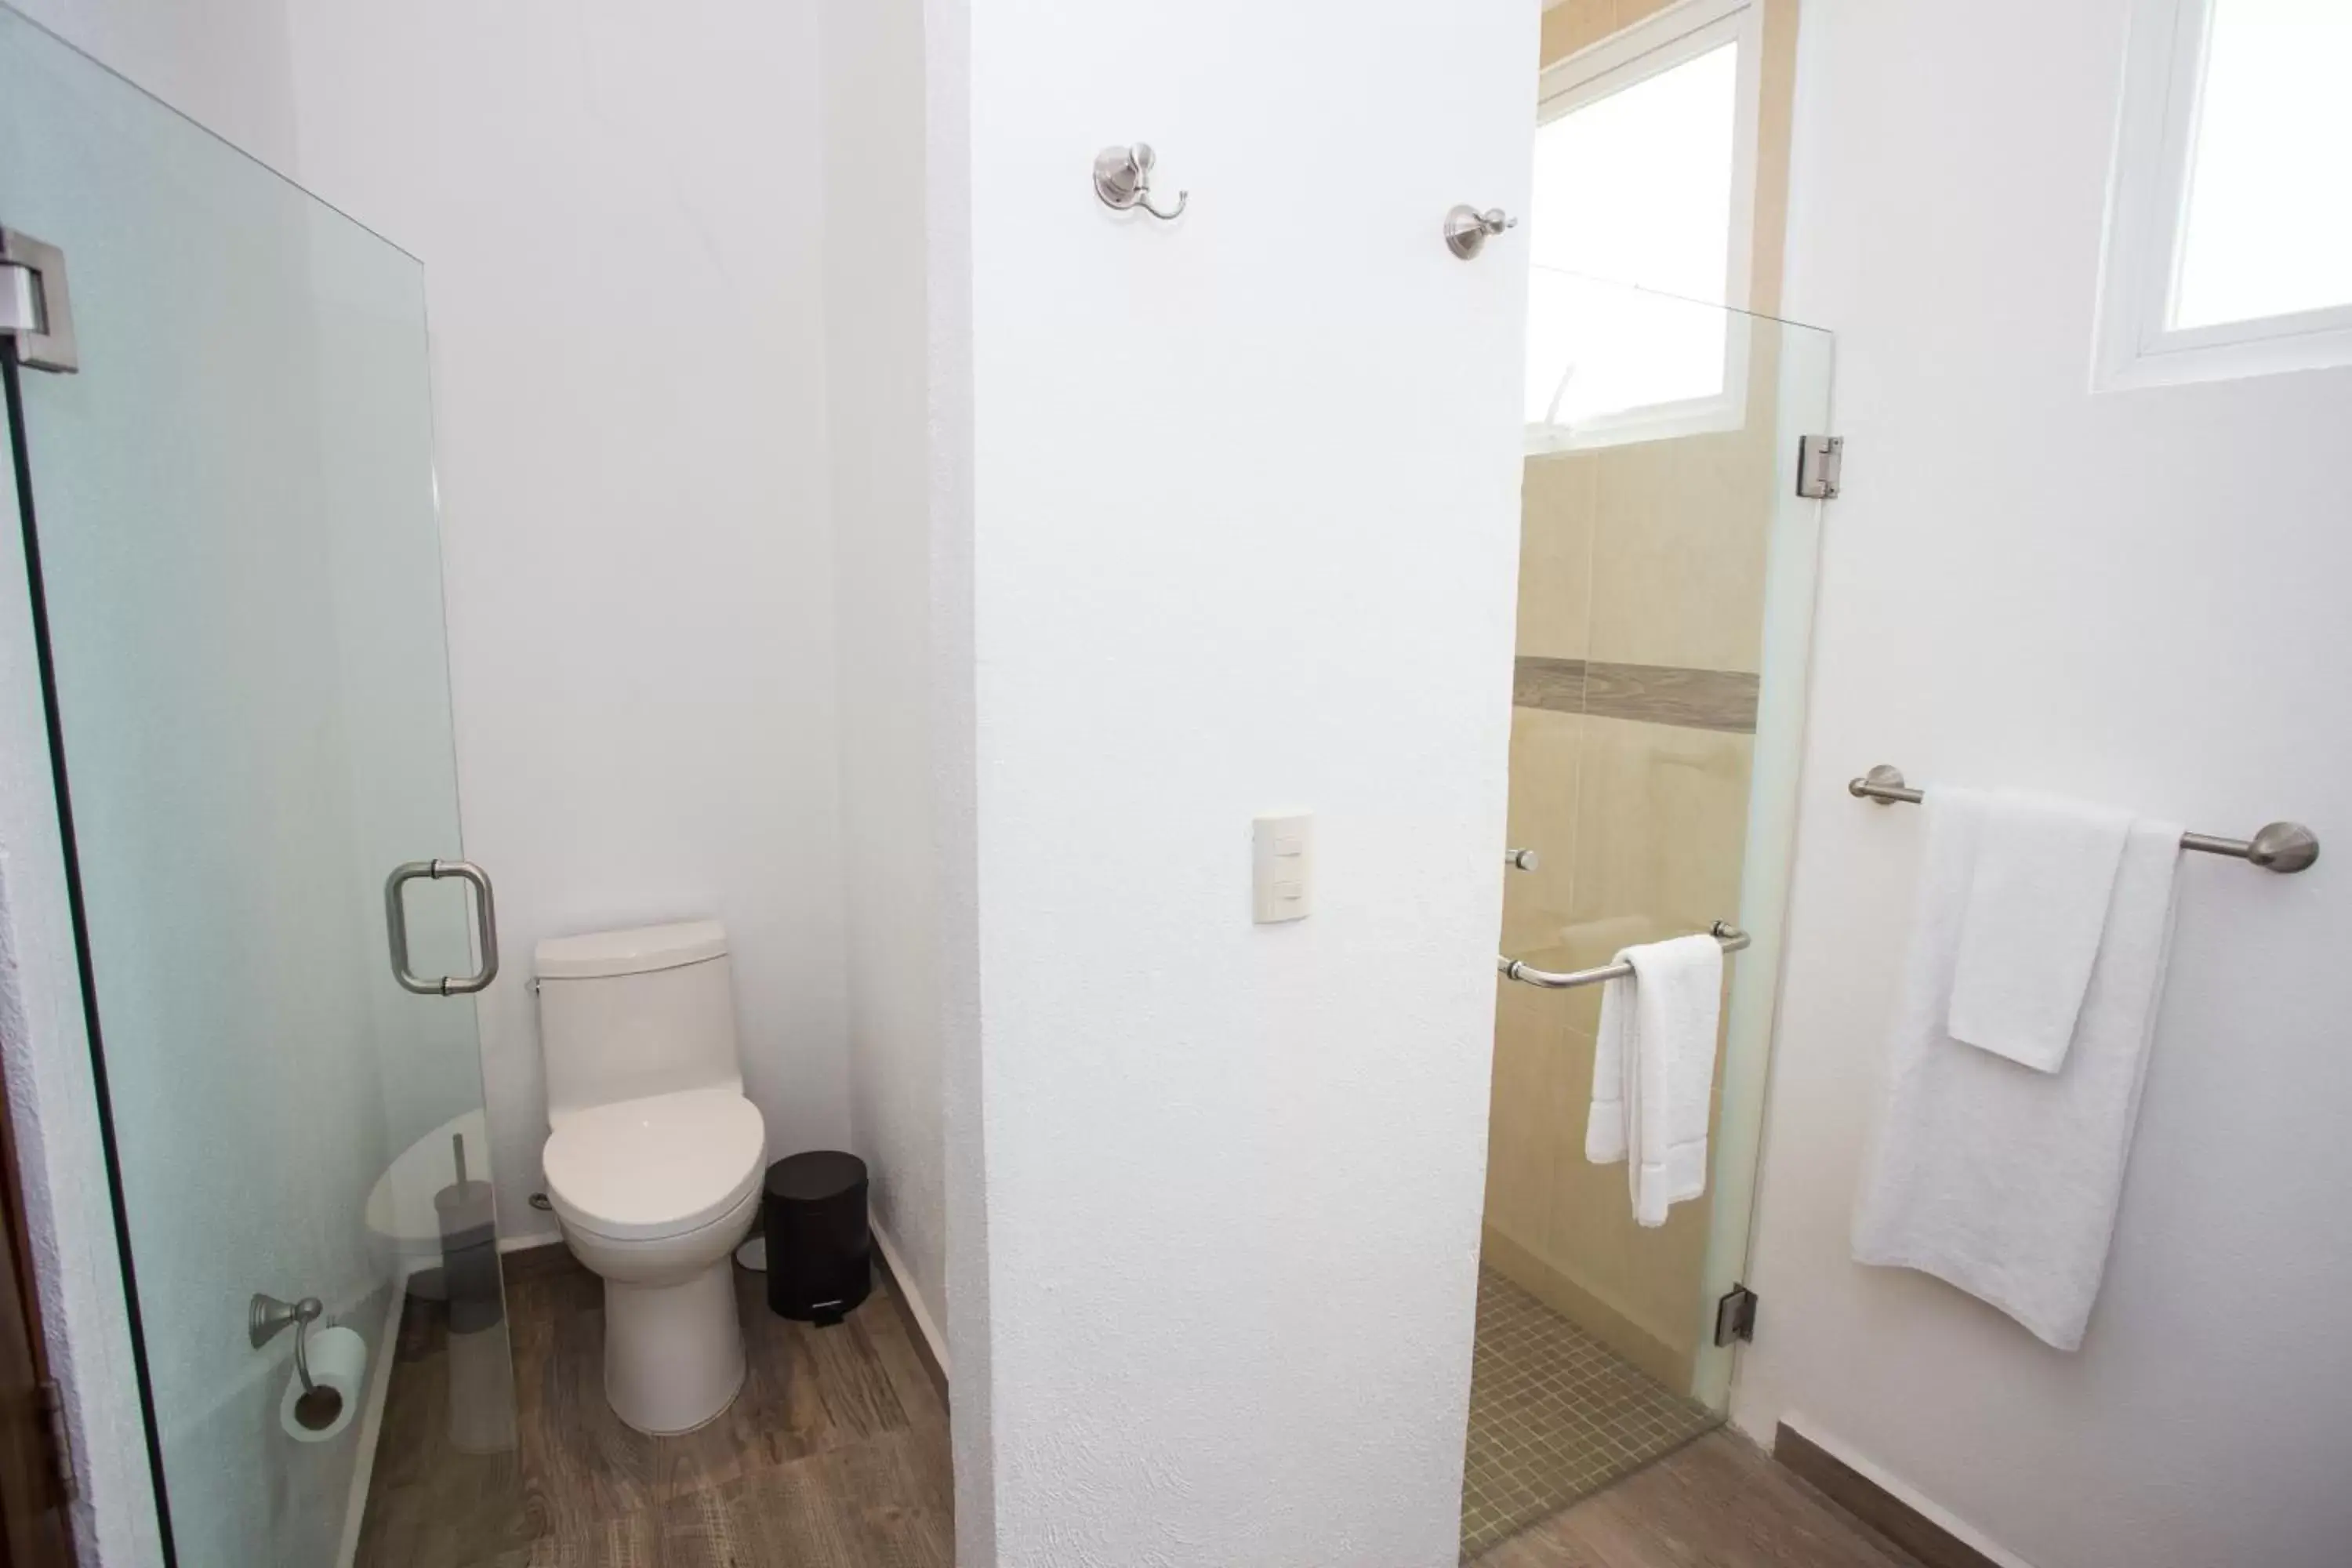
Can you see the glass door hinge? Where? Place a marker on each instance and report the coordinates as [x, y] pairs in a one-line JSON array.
[[1819, 460], [1734, 1315], [35, 312]]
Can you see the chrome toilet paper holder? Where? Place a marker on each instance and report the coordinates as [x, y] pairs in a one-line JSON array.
[[267, 1317]]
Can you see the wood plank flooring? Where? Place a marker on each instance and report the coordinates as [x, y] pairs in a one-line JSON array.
[[834, 1455], [1719, 1502]]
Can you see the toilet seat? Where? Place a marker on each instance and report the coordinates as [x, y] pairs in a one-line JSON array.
[[644, 1169]]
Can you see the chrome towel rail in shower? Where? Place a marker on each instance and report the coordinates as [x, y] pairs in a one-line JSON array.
[[2280, 846], [1731, 936]]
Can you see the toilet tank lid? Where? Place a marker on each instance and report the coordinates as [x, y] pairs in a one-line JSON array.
[[637, 951]]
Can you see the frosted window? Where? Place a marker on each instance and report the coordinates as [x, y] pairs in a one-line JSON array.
[[1634, 188], [2268, 224]]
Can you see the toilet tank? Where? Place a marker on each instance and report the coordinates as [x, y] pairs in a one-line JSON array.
[[627, 1014]]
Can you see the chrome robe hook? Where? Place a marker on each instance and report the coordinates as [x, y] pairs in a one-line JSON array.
[[1467, 229], [1123, 180]]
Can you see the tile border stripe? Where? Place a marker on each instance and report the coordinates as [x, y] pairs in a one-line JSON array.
[[1722, 700]]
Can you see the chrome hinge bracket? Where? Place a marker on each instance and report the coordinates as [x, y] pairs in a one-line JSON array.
[[1734, 1315], [60, 1434], [36, 313], [1819, 461]]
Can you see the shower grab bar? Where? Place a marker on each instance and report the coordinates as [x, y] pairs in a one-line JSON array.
[[2281, 846], [1724, 931]]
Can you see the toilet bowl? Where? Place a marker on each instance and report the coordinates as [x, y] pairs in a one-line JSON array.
[[652, 1194], [655, 1158]]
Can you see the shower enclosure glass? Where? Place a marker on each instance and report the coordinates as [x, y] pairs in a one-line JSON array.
[[1665, 603], [229, 515]]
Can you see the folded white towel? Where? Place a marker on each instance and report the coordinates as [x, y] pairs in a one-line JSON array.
[[1654, 1072], [2037, 905], [1997, 1179]]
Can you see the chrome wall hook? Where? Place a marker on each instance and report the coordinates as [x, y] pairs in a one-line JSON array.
[[1123, 180], [1467, 228]]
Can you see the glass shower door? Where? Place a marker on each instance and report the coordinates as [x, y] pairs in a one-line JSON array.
[[1665, 605], [229, 515], [1666, 609]]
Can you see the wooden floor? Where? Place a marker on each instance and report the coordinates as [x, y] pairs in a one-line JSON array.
[[834, 1455], [1719, 1502]]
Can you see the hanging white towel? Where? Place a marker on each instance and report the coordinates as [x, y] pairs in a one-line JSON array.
[[1993, 1177], [1654, 1071], [2037, 905]]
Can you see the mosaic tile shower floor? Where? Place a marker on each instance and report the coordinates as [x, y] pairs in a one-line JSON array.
[[1555, 1416]]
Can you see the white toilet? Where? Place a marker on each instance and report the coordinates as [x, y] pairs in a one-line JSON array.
[[655, 1158]]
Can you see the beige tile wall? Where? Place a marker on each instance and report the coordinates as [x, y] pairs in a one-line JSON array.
[[1556, 506], [1653, 817], [1648, 553], [1678, 569]]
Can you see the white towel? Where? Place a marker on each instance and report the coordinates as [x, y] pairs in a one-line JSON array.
[[1654, 1072], [2037, 905], [1993, 1177]]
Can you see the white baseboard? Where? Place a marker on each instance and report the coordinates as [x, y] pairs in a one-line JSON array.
[[370, 1424], [1900, 1491], [916, 1306], [526, 1243]]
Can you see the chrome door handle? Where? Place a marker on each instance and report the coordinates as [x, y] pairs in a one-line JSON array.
[[395, 925]]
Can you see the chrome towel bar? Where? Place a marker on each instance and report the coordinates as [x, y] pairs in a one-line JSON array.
[[1731, 936], [2281, 846]]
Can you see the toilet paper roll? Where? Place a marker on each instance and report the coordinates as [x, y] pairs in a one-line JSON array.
[[338, 1361]]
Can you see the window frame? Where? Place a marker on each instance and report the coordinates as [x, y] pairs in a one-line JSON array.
[[2146, 231], [1672, 37]]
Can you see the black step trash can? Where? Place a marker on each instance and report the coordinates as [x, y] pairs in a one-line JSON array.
[[820, 1253]]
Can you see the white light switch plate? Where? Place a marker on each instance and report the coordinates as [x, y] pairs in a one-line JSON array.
[[1282, 868]]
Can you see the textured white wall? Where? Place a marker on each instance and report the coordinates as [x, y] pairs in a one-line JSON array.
[[2135, 597], [1246, 538], [955, 763], [876, 417]]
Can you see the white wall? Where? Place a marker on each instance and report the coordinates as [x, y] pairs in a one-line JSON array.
[[616, 205], [877, 416], [1244, 539], [225, 64], [2131, 596], [619, 210], [627, 364]]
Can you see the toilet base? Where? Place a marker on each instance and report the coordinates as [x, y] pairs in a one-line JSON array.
[[673, 1353]]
